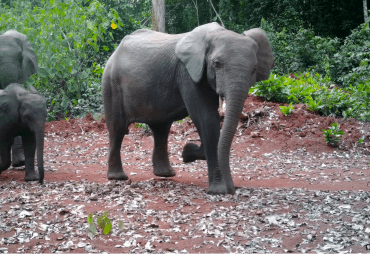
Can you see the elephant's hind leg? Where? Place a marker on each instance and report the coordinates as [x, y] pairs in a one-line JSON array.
[[192, 152], [115, 170], [18, 159], [161, 162], [5, 158]]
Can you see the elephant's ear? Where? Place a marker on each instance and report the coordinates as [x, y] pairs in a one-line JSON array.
[[191, 49], [264, 55], [29, 57]]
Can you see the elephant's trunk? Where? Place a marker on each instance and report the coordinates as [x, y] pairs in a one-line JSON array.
[[40, 152], [235, 102]]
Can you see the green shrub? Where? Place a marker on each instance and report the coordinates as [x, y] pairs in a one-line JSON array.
[[297, 51], [287, 110], [72, 39], [318, 93], [350, 64], [333, 135]]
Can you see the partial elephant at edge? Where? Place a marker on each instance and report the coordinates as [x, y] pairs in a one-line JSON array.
[[23, 113], [15, 46], [157, 78]]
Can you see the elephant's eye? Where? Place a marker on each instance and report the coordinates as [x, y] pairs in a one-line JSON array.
[[254, 70], [217, 64]]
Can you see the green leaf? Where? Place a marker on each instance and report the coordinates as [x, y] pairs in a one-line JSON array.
[[90, 26], [93, 228], [107, 228], [90, 219], [74, 71], [43, 72], [365, 26]]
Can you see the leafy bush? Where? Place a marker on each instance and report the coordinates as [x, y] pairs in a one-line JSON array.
[[72, 39], [297, 51], [350, 64], [287, 110], [333, 135], [318, 93]]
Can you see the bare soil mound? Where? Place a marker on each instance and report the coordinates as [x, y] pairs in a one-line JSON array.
[[294, 192]]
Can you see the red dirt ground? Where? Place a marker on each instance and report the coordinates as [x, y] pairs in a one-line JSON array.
[[77, 150]]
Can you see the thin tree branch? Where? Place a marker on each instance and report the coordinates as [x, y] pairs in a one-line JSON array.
[[366, 16], [65, 37], [196, 7], [216, 13]]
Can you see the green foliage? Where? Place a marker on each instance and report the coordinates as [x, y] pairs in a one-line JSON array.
[[299, 50], [318, 93], [72, 40], [287, 110], [361, 140], [103, 221], [350, 65], [333, 135], [92, 228], [142, 126]]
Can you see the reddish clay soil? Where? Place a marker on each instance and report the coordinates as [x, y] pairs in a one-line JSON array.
[[281, 166]]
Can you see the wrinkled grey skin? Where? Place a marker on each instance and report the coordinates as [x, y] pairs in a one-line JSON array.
[[158, 78], [23, 113], [18, 62]]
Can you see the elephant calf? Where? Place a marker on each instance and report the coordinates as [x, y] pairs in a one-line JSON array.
[[159, 78], [23, 113]]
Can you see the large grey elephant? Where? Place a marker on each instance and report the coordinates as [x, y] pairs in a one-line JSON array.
[[18, 62], [23, 113], [158, 78]]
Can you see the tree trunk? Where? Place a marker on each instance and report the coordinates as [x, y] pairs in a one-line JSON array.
[[158, 16], [366, 16]]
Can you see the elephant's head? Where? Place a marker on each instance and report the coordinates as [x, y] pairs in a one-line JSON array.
[[32, 114], [18, 61], [232, 63]]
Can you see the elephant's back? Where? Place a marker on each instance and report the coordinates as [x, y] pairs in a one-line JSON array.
[[141, 73]]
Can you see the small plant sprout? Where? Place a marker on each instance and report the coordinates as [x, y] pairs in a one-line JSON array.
[[361, 140], [92, 228], [287, 110], [333, 135], [103, 221]]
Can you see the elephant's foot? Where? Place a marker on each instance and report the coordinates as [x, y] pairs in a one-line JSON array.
[[33, 176], [164, 171], [18, 161], [220, 188], [116, 175], [192, 152]]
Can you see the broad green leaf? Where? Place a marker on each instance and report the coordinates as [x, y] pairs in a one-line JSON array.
[[43, 72], [90, 219], [107, 228]]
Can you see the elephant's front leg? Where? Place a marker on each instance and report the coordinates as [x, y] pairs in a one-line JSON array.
[[18, 159], [161, 161], [201, 102], [193, 152], [5, 157], [29, 145]]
